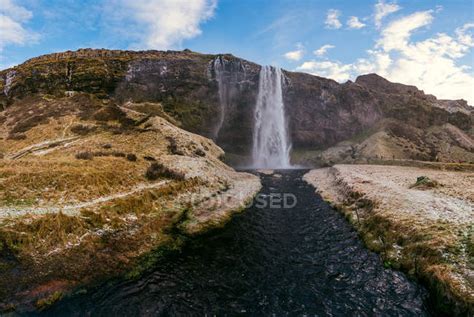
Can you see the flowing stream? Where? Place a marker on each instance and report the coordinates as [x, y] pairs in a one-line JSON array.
[[271, 147], [219, 69], [272, 259]]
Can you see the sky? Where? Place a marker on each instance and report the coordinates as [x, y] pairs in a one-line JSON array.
[[420, 42]]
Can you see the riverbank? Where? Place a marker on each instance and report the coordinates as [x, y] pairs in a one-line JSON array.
[[422, 226], [83, 200], [274, 259]]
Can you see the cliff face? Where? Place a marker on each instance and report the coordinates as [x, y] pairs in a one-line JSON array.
[[323, 112], [184, 83], [168, 77], [214, 95], [374, 119]]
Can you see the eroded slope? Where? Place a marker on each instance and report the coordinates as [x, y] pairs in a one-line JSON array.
[[88, 188]]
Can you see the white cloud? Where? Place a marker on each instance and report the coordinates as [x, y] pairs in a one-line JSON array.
[[323, 50], [12, 32], [464, 37], [397, 33], [383, 9], [334, 70], [8, 7], [431, 64], [378, 62], [355, 23], [332, 19], [164, 24], [295, 55], [12, 20]]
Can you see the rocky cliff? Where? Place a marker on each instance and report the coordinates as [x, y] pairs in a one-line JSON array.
[[214, 95]]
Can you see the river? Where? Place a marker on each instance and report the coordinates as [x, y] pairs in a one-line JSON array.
[[301, 260]]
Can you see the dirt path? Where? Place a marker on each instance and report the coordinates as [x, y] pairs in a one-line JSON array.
[[43, 147], [73, 209]]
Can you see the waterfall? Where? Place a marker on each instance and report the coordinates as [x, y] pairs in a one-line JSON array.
[[219, 71], [271, 148]]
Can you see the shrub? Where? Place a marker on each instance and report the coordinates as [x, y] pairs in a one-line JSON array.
[[83, 129], [157, 170], [423, 182], [16, 136], [84, 156], [109, 113], [100, 153], [118, 154], [113, 113], [173, 146], [200, 152], [45, 303], [30, 122], [131, 157]]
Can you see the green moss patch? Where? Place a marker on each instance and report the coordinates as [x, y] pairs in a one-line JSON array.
[[424, 182]]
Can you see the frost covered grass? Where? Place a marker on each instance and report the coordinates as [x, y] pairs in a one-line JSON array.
[[419, 220]]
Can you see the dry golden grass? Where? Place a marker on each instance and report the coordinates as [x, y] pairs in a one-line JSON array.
[[56, 176], [53, 129], [39, 234], [150, 202], [127, 217], [129, 141], [91, 246], [66, 179], [42, 233], [432, 251]]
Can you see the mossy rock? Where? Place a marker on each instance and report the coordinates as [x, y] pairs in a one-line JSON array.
[[47, 302], [148, 260], [424, 182]]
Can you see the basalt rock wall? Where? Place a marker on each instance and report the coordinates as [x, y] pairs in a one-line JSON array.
[[214, 95]]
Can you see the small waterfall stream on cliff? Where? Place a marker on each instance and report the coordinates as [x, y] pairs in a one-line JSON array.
[[219, 69], [271, 148]]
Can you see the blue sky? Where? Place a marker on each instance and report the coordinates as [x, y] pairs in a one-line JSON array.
[[425, 43]]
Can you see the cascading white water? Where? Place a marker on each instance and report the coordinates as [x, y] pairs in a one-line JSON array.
[[271, 147], [219, 69]]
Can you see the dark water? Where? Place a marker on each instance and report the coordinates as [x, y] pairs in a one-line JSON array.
[[270, 261]]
